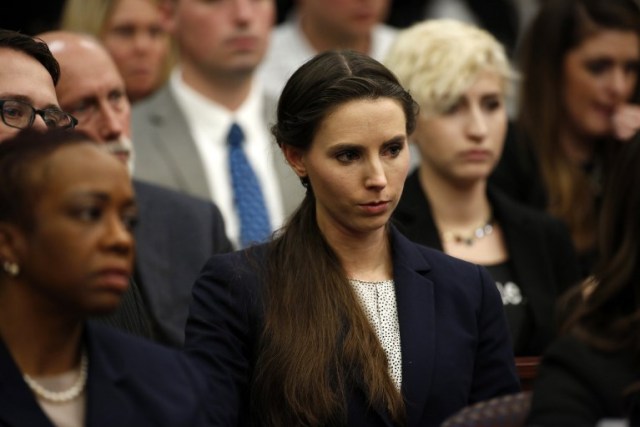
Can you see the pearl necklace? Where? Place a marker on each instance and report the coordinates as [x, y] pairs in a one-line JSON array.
[[62, 396], [478, 233]]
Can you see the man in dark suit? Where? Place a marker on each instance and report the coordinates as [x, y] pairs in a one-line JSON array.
[[176, 233]]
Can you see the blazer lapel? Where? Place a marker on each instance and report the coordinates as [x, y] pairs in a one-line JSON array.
[[525, 252], [153, 248], [173, 136], [18, 406], [107, 405], [415, 304]]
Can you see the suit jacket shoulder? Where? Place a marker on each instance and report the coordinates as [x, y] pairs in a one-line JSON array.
[[150, 385], [518, 172], [165, 151], [175, 236], [454, 339], [131, 382]]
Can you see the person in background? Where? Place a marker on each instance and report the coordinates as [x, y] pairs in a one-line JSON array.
[[591, 372], [67, 210], [205, 132], [460, 74], [341, 320], [315, 26], [176, 234], [578, 104], [28, 77], [134, 35], [502, 18]]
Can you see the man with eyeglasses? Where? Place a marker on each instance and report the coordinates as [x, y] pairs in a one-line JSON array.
[[176, 233], [28, 76]]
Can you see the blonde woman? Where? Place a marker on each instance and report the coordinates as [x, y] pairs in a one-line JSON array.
[[459, 74], [134, 35]]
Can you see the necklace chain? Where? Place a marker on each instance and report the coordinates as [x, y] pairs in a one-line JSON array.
[[480, 232], [62, 396]]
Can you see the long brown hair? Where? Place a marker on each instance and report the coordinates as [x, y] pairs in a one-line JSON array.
[[607, 316], [317, 343], [559, 27]]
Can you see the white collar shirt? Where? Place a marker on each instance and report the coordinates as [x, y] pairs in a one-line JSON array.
[[209, 123]]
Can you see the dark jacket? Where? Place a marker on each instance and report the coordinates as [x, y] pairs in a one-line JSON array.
[[131, 382], [578, 385], [454, 338], [175, 236], [541, 254]]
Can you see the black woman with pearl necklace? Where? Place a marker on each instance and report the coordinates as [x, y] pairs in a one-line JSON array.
[[67, 210]]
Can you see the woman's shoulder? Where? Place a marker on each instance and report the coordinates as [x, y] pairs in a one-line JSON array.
[[164, 383], [517, 172], [513, 213], [112, 351], [121, 350], [568, 349], [578, 384], [237, 264]]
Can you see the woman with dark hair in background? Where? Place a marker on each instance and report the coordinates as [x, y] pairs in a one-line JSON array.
[[591, 373], [578, 103], [340, 320], [66, 252]]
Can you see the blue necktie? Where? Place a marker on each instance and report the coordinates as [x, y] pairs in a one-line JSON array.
[[247, 194]]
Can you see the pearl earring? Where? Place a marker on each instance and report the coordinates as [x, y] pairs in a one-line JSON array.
[[11, 268]]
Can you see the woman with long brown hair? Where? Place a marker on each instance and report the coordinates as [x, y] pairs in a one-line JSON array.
[[340, 320], [591, 372], [578, 104]]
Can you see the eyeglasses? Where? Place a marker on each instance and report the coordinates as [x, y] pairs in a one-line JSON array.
[[21, 115]]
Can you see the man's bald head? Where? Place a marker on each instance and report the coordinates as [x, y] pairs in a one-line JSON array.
[[91, 88]]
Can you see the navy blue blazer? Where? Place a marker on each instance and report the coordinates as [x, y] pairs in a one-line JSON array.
[[175, 236], [131, 383], [541, 254], [454, 338]]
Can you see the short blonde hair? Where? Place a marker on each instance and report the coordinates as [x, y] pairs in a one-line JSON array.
[[438, 60]]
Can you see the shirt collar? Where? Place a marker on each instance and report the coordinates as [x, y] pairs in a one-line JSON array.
[[204, 113]]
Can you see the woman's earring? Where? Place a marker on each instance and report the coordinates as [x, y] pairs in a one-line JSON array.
[[11, 268]]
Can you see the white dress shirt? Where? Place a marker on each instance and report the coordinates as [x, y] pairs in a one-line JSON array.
[[210, 123]]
